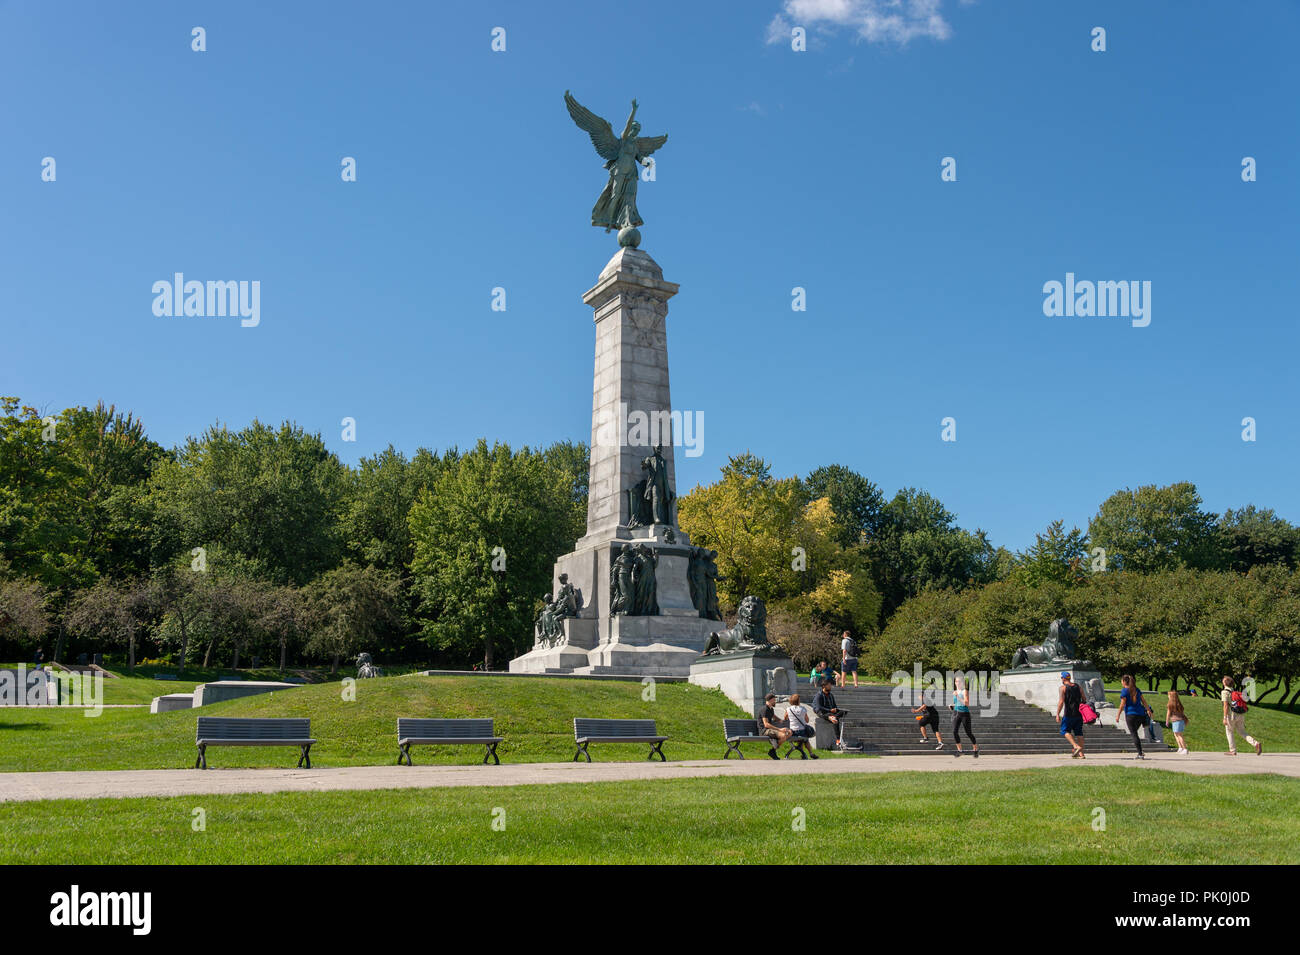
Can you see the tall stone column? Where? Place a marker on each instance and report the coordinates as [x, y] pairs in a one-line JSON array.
[[631, 416], [630, 403]]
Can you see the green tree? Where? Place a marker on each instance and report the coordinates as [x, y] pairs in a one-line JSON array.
[[491, 505], [856, 501], [24, 619], [375, 526], [918, 546], [351, 607], [1156, 528], [1055, 556], [111, 611], [755, 522], [1255, 537], [275, 496]]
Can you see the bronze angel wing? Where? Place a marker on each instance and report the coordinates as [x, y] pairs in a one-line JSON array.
[[601, 133], [645, 145]]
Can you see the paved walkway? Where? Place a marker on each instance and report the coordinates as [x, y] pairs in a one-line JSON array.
[[116, 784]]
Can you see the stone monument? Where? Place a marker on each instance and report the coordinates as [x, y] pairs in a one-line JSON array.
[[1035, 674], [742, 663], [634, 597]]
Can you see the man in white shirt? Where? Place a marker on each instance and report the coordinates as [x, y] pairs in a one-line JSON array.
[[848, 660]]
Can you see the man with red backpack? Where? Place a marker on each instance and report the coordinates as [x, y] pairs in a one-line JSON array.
[[1234, 717], [1070, 699]]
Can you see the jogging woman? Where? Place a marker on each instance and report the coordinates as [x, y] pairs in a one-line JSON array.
[[961, 716]]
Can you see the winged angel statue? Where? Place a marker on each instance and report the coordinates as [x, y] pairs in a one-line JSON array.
[[616, 207]]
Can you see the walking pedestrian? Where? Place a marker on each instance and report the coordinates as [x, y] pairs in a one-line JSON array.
[[1176, 717], [961, 715], [1134, 709], [1070, 699], [1234, 717]]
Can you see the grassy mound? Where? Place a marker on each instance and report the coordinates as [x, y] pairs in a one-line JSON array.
[[1027, 816], [535, 715]]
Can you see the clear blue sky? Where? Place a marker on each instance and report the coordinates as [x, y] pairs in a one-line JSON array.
[[817, 169]]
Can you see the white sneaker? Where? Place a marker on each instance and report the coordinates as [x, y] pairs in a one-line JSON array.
[[1182, 752]]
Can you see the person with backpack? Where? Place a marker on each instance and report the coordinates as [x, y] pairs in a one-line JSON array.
[[1133, 709], [848, 660], [1176, 717], [1234, 717], [1070, 699]]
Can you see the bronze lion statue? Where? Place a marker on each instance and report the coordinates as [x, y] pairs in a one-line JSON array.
[[749, 633], [1056, 649]]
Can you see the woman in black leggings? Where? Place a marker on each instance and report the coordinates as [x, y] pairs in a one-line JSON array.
[[961, 716], [1133, 709]]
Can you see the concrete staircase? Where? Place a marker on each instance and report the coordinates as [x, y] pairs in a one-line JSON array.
[[888, 730]]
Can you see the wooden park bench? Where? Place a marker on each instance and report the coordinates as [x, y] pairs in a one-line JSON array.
[[240, 731], [747, 731], [588, 731], [422, 732]]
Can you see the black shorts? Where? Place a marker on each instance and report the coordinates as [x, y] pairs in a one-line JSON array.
[[931, 721]]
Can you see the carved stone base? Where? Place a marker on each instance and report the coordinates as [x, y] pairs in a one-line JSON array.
[[662, 644]]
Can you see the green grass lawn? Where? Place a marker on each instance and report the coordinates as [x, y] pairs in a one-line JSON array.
[[1028, 816], [535, 715]]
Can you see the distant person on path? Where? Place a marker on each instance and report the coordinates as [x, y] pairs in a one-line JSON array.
[[1177, 720], [772, 727], [800, 721], [824, 706], [1070, 699], [1234, 718], [848, 660], [928, 715], [961, 715], [1134, 709]]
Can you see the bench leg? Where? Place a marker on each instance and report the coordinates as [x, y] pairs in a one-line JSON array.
[[732, 748], [582, 751], [404, 752], [305, 757], [201, 762], [657, 749], [491, 751]]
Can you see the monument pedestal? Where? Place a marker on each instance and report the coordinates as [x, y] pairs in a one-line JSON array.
[[746, 676], [631, 417], [1041, 686]]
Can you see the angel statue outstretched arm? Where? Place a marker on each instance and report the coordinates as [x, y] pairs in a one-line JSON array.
[[616, 207]]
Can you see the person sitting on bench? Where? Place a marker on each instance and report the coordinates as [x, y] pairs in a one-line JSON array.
[[772, 727], [797, 715]]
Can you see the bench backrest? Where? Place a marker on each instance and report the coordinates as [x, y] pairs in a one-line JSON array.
[[734, 728], [411, 728], [586, 727], [233, 727]]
